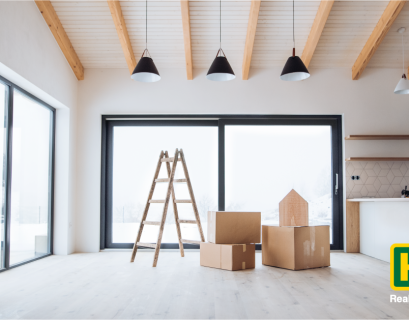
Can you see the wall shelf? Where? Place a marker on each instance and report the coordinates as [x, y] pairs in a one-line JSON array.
[[378, 137], [377, 159]]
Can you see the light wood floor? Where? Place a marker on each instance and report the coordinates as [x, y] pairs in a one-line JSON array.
[[105, 285]]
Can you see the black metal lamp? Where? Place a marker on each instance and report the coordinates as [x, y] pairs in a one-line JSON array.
[[145, 70], [294, 69], [220, 70]]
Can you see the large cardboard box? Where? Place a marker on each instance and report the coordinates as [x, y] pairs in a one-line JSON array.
[[296, 248], [233, 227], [228, 256], [293, 210]]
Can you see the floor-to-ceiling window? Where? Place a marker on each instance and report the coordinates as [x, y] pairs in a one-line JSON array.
[[237, 163], [27, 143], [3, 104]]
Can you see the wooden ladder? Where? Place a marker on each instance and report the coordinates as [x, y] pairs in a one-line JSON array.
[[164, 158]]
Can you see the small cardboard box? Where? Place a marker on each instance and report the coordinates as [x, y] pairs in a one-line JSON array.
[[228, 256], [233, 227], [293, 210], [296, 248]]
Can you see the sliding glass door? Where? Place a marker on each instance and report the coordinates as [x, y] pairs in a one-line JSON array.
[[273, 160], [134, 150], [27, 143], [237, 163]]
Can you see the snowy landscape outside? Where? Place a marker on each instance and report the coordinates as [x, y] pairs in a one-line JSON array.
[[262, 164]]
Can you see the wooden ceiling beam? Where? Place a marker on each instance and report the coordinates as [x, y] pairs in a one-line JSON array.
[[316, 30], [54, 23], [119, 21], [187, 39], [251, 35], [381, 29]]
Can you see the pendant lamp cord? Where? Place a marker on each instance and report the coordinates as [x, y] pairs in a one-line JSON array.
[[293, 27], [403, 53], [220, 24], [146, 24]]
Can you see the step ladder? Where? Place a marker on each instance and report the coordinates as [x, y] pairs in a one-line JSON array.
[[164, 158]]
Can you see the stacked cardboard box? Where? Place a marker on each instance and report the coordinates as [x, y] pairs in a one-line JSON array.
[[232, 237], [295, 245]]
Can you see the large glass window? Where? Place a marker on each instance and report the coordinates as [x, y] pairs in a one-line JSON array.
[[136, 151], [273, 160], [236, 163], [3, 97], [27, 146], [30, 205]]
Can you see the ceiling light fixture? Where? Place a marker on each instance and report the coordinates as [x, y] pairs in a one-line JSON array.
[[220, 70], [145, 70], [294, 69], [403, 84]]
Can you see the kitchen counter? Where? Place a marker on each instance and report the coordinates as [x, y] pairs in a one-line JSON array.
[[375, 224], [379, 200]]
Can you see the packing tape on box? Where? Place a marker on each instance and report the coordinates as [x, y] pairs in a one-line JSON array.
[[243, 265], [244, 248]]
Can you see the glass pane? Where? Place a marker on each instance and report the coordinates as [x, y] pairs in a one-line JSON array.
[[2, 172], [30, 180], [263, 164], [136, 153]]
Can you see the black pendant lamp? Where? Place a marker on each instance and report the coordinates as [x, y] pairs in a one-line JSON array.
[[294, 69], [145, 70], [220, 70]]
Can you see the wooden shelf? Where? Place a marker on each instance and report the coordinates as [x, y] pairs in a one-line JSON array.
[[378, 137], [377, 159]]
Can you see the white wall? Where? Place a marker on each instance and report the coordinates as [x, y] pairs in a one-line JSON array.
[[368, 105], [31, 58]]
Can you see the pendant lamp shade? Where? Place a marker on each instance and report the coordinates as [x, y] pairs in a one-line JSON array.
[[220, 70], [145, 71], [294, 70], [403, 86]]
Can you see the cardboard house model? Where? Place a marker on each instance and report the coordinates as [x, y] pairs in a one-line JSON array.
[[293, 210]]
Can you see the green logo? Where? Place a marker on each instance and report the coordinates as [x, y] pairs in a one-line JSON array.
[[400, 266]]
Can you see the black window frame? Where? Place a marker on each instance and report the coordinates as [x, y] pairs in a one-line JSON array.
[[109, 121], [11, 87]]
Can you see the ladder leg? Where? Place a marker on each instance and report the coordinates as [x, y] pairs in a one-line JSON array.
[[145, 212], [192, 196], [165, 209], [175, 211]]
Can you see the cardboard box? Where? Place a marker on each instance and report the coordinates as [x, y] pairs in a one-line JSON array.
[[293, 210], [228, 256], [233, 227], [296, 248]]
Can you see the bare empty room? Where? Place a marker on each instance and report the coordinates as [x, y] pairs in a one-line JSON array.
[[196, 159]]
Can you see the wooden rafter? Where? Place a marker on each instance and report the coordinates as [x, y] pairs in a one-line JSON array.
[[251, 35], [382, 27], [184, 4], [119, 21], [316, 30], [54, 23]]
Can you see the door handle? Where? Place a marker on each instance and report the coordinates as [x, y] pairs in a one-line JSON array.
[[336, 184]]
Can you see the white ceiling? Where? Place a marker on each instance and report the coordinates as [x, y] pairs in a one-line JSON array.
[[90, 27]]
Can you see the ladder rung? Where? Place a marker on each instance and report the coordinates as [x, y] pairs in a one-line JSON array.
[[148, 245], [187, 221], [169, 159], [162, 180], [152, 223], [183, 201], [190, 241], [179, 180], [157, 201]]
